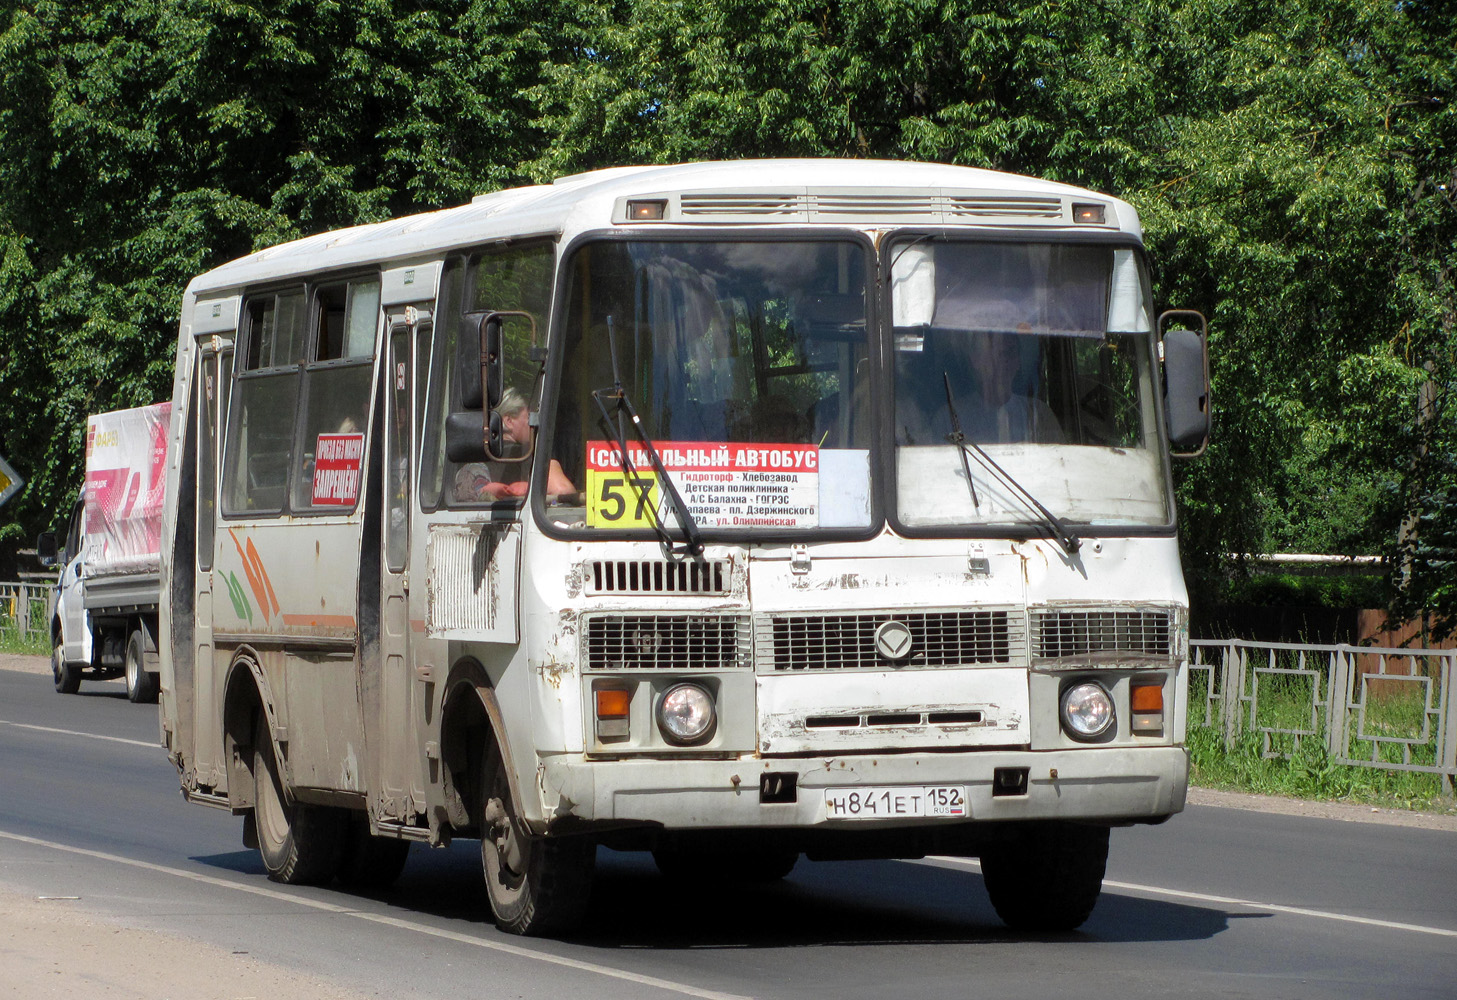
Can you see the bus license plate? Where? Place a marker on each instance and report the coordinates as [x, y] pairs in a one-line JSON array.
[[895, 801]]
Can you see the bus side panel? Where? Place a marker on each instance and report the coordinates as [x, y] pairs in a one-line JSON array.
[[293, 596]]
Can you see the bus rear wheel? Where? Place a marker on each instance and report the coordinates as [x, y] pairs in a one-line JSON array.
[[1048, 878], [537, 885], [300, 843]]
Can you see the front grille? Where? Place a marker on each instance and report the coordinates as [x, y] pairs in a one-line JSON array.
[[847, 642], [667, 642], [654, 576], [1082, 633]]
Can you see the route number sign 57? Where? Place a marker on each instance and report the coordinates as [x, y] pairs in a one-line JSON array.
[[616, 500]]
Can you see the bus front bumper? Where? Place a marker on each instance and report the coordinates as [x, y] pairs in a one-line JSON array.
[[1115, 784]]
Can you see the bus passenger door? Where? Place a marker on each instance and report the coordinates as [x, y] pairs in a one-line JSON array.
[[400, 794], [214, 372]]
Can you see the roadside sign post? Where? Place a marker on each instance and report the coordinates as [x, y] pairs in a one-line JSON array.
[[10, 481]]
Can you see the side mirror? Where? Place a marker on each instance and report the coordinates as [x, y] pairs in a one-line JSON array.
[[482, 377], [468, 438], [47, 549], [1185, 355]]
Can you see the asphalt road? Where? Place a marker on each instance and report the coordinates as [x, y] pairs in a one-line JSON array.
[[1217, 902]]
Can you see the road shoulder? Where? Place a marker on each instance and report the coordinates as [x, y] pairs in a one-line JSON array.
[[1344, 811], [56, 948]]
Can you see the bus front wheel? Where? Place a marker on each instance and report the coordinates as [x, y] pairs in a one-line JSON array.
[[537, 885], [1048, 876]]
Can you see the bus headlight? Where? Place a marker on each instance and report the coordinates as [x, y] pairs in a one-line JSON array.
[[1087, 710], [685, 714]]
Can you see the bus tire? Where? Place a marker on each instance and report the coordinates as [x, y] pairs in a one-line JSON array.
[[367, 861], [1047, 879], [67, 675], [300, 844], [737, 868], [536, 885], [141, 684]]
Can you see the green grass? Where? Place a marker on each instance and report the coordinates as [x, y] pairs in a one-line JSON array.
[[1309, 773], [1293, 760], [11, 641], [11, 638]]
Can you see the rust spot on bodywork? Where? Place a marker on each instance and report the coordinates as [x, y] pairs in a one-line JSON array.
[[566, 626], [576, 580], [555, 673]]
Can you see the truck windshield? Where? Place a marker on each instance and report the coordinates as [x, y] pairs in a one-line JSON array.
[[1044, 352], [747, 361]]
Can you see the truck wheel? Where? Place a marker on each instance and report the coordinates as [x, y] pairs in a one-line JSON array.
[[141, 684], [67, 675], [1048, 878], [370, 862], [536, 885], [300, 844], [737, 868]]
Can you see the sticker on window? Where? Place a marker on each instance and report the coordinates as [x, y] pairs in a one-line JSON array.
[[337, 460], [722, 485]]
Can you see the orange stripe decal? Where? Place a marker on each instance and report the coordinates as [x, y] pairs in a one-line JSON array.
[[320, 621]]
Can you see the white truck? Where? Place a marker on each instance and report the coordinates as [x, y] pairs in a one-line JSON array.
[[103, 611]]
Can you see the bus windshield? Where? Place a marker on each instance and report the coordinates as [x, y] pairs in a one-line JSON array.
[[1041, 354], [748, 362]]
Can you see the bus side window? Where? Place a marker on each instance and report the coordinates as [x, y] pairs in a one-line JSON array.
[[329, 455], [260, 425]]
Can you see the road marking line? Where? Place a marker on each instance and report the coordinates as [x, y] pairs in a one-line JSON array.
[[387, 921], [89, 736], [1252, 904]]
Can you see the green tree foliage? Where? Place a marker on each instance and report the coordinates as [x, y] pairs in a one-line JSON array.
[[142, 143], [1293, 165]]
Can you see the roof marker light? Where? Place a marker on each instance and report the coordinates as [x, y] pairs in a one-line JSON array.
[[646, 211]]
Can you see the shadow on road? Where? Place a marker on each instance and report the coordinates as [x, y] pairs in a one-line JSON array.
[[821, 904]]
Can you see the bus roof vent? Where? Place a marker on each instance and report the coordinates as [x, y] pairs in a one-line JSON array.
[[656, 576], [1000, 206], [903, 207], [751, 204]]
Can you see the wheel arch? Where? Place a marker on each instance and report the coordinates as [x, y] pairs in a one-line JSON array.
[[470, 722], [247, 699]]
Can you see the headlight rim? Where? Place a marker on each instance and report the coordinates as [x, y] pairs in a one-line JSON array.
[[1106, 730], [673, 738]]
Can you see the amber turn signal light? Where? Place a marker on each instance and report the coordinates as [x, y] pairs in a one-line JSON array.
[[1147, 698], [613, 703]]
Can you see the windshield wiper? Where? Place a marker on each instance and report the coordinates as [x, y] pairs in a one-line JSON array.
[[618, 397], [965, 446]]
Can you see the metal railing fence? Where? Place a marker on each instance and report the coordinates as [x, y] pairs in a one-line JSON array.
[[23, 608], [1394, 709]]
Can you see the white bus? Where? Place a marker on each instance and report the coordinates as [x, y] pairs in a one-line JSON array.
[[735, 512]]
